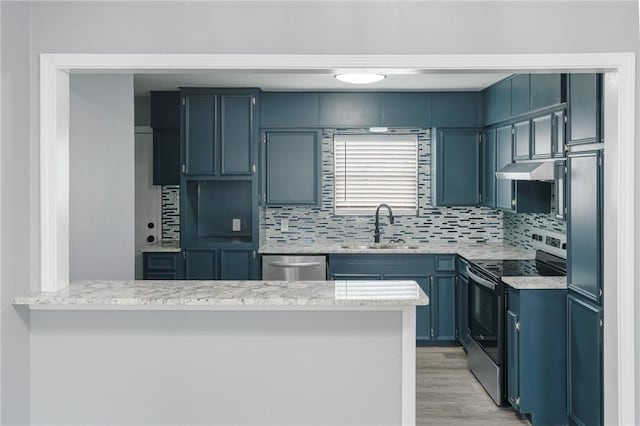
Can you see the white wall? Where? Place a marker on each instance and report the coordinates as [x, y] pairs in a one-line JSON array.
[[101, 176], [16, 175], [262, 27]]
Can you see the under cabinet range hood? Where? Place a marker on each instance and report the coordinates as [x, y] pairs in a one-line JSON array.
[[542, 170]]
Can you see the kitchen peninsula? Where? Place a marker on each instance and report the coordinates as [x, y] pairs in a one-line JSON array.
[[224, 352]]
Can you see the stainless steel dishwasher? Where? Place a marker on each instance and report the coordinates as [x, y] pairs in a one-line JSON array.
[[294, 268]]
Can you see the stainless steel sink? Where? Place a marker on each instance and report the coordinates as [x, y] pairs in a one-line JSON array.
[[379, 246]]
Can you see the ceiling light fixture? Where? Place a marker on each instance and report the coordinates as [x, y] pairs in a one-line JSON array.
[[360, 78]]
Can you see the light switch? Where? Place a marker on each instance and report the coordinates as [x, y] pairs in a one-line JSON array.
[[284, 225], [235, 225]]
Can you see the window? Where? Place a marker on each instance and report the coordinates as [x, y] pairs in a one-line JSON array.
[[374, 169]]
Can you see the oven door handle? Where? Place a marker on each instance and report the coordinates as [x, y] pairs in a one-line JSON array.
[[485, 283]]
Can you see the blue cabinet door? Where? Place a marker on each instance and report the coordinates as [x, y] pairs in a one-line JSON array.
[[545, 90], [584, 224], [236, 124], [584, 366], [512, 339], [583, 108], [489, 168], [444, 307], [520, 94], [237, 264], [293, 174], [162, 266], [200, 123], [456, 109], [455, 178], [423, 313], [405, 109], [542, 136], [504, 155], [349, 109], [166, 157], [503, 99], [201, 264], [289, 109], [521, 140], [165, 110]]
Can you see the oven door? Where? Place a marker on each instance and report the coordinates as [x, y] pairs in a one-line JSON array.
[[484, 314]]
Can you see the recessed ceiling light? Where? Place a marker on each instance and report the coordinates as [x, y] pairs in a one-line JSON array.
[[360, 78]]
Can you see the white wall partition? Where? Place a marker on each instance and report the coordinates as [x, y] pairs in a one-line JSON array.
[[101, 177]]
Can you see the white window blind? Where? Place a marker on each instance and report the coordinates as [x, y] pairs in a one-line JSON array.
[[375, 169]]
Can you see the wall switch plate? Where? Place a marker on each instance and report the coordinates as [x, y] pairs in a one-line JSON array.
[[235, 225], [284, 225]]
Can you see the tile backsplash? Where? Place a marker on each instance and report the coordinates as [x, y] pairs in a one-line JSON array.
[[171, 213], [441, 224], [518, 227]]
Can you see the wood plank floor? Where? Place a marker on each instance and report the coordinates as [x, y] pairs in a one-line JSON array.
[[448, 394]]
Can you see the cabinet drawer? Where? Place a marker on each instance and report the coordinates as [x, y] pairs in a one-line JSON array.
[[152, 275], [445, 263], [161, 261]]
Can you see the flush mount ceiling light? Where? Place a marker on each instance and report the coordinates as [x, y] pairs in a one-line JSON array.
[[360, 78]]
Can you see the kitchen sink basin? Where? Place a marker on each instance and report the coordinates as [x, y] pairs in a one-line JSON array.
[[379, 246]]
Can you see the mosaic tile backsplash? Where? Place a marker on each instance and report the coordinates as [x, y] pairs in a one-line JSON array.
[[518, 227], [171, 213], [442, 224]]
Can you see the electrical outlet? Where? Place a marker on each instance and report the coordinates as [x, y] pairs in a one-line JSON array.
[[235, 225], [284, 225]]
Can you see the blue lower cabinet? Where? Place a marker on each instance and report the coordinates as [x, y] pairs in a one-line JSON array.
[[237, 264], [162, 266], [424, 316], [584, 366], [536, 356], [201, 264], [443, 290]]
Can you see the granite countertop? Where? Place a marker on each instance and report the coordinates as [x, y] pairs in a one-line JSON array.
[[470, 251], [162, 246], [212, 294], [536, 283]]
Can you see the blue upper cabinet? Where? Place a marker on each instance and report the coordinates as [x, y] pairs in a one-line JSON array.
[[165, 120], [456, 109], [166, 156], [584, 224], [455, 162], [489, 168], [349, 109], [520, 94], [521, 140], [236, 133], [542, 136], [219, 131], [545, 90], [583, 108], [292, 168], [503, 100], [200, 134], [405, 109], [289, 109], [504, 156], [165, 110]]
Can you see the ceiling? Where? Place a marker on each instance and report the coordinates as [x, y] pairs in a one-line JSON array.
[[318, 80]]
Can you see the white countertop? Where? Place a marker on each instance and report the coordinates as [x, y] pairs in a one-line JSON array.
[[536, 283], [212, 294], [470, 251], [162, 247]]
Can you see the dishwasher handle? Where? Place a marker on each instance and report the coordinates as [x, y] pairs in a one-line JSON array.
[[294, 264]]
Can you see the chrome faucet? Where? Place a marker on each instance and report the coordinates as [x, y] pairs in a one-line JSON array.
[[376, 234]]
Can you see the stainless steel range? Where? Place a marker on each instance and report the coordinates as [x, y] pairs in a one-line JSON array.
[[487, 302]]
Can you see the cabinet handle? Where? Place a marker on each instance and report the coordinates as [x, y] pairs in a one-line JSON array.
[[294, 264]]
